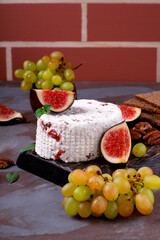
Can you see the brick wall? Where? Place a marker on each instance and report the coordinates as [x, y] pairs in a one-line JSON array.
[[119, 40]]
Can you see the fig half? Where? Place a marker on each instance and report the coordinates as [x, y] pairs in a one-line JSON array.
[[7, 114], [59, 99], [129, 113], [116, 144]]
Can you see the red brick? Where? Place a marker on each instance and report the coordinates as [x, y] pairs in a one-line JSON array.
[[3, 64], [40, 22], [123, 22], [101, 64]]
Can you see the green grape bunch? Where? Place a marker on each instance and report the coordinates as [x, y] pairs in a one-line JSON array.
[[50, 72], [89, 192]]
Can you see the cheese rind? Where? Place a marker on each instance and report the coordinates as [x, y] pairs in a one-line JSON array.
[[75, 135]]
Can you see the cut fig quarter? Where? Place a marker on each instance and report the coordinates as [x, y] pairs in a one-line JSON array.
[[59, 99], [7, 114], [129, 113], [116, 143]]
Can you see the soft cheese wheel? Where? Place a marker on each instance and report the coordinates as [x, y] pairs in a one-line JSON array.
[[74, 135]]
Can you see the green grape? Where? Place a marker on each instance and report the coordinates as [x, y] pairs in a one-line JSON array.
[[71, 206], [143, 204], [53, 64], [31, 77], [144, 171], [131, 171], [40, 74], [25, 64], [26, 73], [139, 150], [46, 60], [84, 209], [96, 183], [110, 191], [126, 208], [79, 177], [93, 170], [99, 205], [64, 202], [67, 64], [107, 177], [19, 73], [69, 74], [67, 86], [69, 177], [122, 184], [31, 66], [57, 55], [47, 84], [123, 197], [81, 193], [38, 83], [119, 173], [56, 88], [148, 192], [53, 71], [111, 211], [26, 86], [152, 182], [40, 65], [47, 75], [56, 80], [68, 189]]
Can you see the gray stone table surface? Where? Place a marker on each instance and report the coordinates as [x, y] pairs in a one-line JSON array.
[[31, 208]]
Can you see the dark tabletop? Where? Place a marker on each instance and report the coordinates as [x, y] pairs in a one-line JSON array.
[[31, 208]]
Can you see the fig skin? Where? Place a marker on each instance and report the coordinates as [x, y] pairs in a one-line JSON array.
[[34, 101]]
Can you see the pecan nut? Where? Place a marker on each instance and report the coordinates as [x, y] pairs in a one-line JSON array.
[[5, 162], [150, 133], [154, 139], [143, 126], [135, 134], [139, 130]]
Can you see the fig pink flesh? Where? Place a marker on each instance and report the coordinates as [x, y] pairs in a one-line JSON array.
[[7, 114], [129, 113], [116, 143], [57, 100]]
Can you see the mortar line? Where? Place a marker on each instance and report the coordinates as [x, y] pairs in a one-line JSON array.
[[9, 63], [79, 44], [84, 22]]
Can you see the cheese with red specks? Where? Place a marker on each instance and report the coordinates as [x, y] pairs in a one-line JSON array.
[[75, 135]]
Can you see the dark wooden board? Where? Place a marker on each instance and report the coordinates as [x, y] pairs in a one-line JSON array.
[[57, 171]]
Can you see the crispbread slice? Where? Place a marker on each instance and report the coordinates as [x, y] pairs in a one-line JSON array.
[[152, 98], [134, 102], [151, 118]]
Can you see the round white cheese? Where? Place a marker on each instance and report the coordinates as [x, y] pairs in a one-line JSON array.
[[75, 135]]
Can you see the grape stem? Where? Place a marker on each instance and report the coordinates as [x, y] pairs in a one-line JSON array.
[[78, 66]]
